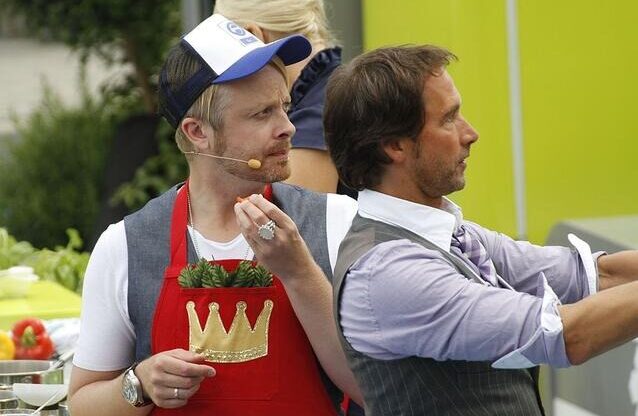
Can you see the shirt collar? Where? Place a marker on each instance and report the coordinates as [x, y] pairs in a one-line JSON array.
[[436, 225]]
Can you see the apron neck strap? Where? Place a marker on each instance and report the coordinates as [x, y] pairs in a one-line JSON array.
[[179, 221]]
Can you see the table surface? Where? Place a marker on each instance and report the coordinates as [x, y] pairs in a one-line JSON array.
[[45, 300], [622, 229]]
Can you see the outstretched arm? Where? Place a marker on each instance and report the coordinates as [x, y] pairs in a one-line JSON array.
[[288, 257], [600, 322], [617, 269]]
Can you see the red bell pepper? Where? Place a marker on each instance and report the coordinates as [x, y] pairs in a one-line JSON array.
[[31, 340]]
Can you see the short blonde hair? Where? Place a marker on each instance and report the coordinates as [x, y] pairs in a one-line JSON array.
[[304, 17], [210, 105]]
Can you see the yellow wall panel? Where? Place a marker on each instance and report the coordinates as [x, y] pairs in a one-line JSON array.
[[474, 30], [579, 63]]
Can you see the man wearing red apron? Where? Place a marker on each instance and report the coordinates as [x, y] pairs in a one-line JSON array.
[[218, 351]]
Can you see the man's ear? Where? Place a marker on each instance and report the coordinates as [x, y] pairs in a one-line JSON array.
[[398, 150], [257, 31], [196, 133]]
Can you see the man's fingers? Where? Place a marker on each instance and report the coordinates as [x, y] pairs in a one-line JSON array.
[[186, 369], [244, 221], [271, 211], [183, 363], [255, 214], [169, 393], [181, 382], [186, 355], [173, 397]]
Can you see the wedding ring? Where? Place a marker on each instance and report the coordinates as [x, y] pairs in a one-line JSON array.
[[176, 393], [267, 231]]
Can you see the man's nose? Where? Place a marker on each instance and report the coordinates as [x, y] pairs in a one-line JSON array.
[[470, 135], [287, 129]]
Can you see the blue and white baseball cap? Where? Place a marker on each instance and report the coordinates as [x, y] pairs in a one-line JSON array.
[[227, 52]]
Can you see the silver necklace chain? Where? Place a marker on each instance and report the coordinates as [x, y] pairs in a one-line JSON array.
[[192, 224]]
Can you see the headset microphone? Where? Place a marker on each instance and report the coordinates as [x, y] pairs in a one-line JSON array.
[[252, 163]]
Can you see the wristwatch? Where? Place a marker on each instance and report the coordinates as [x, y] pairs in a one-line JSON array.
[[132, 388]]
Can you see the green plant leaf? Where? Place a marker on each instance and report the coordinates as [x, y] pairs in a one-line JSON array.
[[263, 278], [187, 277]]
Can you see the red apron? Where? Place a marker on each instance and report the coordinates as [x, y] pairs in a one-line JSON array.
[[274, 373]]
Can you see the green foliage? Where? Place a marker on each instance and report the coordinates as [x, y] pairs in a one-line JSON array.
[[243, 275], [135, 32], [136, 35], [52, 173], [188, 278], [64, 265], [207, 275], [156, 175], [12, 252], [261, 276]]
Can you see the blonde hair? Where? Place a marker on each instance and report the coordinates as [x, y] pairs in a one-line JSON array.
[[209, 107], [305, 17]]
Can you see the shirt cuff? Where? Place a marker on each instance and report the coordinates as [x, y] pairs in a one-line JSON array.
[[586, 257], [547, 344]]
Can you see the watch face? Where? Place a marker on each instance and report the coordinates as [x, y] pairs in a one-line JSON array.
[[128, 390]]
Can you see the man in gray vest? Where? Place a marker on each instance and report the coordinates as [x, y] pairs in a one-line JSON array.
[[151, 344], [438, 315]]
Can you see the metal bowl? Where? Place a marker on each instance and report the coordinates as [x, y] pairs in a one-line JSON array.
[[29, 371]]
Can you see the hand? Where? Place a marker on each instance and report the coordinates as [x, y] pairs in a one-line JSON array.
[[286, 254], [177, 369]]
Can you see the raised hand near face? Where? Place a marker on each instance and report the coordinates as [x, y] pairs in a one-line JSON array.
[[274, 238]]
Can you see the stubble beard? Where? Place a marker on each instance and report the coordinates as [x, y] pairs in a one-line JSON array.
[[265, 174], [438, 182]]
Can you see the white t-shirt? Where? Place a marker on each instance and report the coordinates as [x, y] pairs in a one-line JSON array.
[[107, 336]]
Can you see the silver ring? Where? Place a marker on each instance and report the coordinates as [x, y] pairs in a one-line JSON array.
[[267, 231], [176, 393]]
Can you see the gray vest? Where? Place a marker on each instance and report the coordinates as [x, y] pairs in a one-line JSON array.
[[422, 386]]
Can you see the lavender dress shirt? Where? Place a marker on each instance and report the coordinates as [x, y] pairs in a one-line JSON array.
[[401, 299]]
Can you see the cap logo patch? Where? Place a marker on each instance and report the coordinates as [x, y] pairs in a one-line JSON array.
[[238, 32]]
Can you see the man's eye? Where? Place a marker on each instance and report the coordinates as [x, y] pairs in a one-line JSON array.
[[286, 107], [266, 111]]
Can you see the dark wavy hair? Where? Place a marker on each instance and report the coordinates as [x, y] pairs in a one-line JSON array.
[[374, 100]]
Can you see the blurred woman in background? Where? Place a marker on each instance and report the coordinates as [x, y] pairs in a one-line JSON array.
[[270, 20]]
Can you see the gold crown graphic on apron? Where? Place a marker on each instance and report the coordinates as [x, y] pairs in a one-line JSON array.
[[241, 343]]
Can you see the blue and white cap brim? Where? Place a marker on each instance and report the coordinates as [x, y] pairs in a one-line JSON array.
[[234, 53], [290, 50]]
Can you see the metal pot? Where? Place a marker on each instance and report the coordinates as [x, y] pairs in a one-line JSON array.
[[29, 371], [33, 371]]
